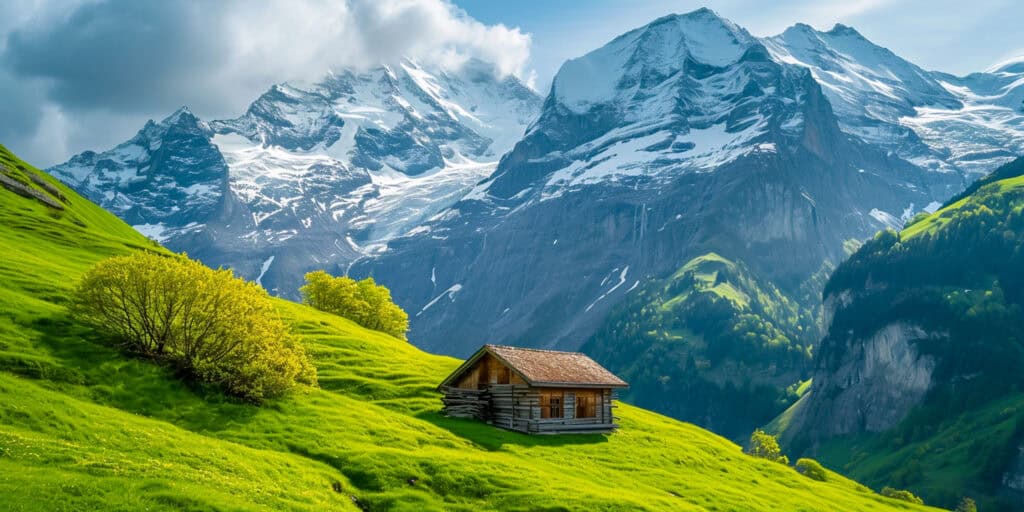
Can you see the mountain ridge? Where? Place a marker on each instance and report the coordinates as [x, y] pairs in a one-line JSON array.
[[679, 132], [892, 120], [307, 176]]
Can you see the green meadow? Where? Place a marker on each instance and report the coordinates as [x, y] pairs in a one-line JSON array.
[[85, 427]]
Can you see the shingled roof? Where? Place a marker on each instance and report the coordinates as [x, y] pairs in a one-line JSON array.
[[547, 368]]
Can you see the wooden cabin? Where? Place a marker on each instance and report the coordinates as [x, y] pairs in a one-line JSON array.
[[533, 391]]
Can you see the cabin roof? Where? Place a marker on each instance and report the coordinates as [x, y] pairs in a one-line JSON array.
[[546, 368]]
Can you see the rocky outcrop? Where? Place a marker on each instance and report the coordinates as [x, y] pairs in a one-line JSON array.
[[866, 384]]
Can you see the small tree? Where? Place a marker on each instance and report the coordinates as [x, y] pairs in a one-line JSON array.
[[811, 469], [900, 494], [967, 505], [338, 295], [364, 302], [766, 446], [218, 328]]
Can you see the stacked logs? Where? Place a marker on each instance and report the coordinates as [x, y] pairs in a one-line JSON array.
[[465, 403]]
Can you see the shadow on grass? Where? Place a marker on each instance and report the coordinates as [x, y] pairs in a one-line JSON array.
[[88, 366], [492, 438]]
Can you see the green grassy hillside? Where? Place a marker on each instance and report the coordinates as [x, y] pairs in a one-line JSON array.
[[83, 427], [735, 345]]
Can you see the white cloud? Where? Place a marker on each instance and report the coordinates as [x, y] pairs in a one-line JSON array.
[[124, 61], [301, 40]]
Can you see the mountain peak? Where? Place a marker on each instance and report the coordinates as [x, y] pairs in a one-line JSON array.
[[658, 49], [801, 29], [703, 28], [703, 11], [182, 120], [806, 31], [845, 30], [182, 111], [181, 117]]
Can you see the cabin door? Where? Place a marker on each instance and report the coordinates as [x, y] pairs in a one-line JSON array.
[[483, 375], [587, 403]]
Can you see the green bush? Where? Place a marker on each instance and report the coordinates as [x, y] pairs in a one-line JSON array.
[[364, 302], [207, 323], [967, 505], [900, 494], [811, 469], [766, 446]]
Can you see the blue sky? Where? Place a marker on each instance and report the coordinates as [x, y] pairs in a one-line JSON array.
[[87, 74], [953, 36]]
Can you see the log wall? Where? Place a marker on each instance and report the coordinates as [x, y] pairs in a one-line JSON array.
[[517, 407]]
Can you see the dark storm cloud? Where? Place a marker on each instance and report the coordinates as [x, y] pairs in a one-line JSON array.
[[20, 108], [121, 55]]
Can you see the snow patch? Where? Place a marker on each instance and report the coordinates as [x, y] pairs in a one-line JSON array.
[[450, 292], [697, 150], [886, 218], [622, 279], [263, 270], [157, 232]]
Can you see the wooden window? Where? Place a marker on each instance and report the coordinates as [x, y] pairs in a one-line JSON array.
[[551, 403], [504, 375], [586, 404]]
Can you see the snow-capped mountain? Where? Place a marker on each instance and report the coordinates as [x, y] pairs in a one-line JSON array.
[[401, 117], [685, 136], [311, 176], [989, 129], [167, 175], [967, 125]]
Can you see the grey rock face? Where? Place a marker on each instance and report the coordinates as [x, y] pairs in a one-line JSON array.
[[872, 388], [169, 173], [1012, 483], [288, 117]]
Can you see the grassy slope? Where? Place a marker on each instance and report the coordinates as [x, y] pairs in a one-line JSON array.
[[82, 427], [705, 270], [958, 457], [940, 218]]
